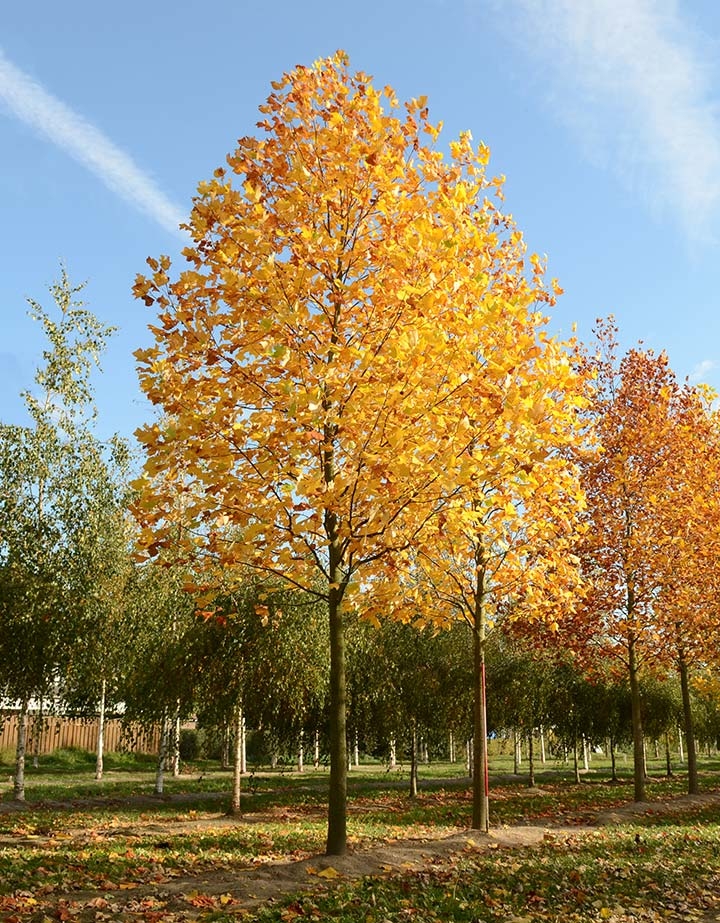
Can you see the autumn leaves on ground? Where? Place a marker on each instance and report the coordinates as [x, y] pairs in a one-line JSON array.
[[557, 851]]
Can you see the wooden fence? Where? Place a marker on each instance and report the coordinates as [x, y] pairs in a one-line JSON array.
[[48, 733]]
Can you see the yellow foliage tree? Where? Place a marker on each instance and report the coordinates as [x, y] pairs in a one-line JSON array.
[[688, 508], [346, 331], [503, 542]]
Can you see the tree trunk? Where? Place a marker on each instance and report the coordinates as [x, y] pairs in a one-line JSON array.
[[576, 763], [693, 784], [480, 815], [613, 765], [413, 763], [451, 747], [356, 750], [162, 756], [337, 797], [19, 777], [517, 755], [542, 746], [469, 758], [316, 749], [38, 725], [100, 752], [243, 744], [586, 760], [681, 754], [638, 740], [225, 754], [393, 755], [176, 743], [237, 762], [531, 761], [301, 753], [668, 761]]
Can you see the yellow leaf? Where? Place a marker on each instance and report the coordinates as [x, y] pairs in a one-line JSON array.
[[329, 872]]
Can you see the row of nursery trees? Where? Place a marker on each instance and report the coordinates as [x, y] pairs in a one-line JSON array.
[[362, 416]]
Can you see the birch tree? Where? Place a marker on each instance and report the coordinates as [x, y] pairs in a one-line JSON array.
[[47, 471]]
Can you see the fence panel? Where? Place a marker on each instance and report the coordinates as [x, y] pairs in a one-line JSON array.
[[55, 733]]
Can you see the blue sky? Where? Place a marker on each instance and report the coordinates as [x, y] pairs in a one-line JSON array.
[[604, 115]]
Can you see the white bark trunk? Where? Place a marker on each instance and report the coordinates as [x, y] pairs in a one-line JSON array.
[[19, 778], [100, 751], [162, 755], [243, 745], [38, 724], [517, 740], [176, 743], [237, 762]]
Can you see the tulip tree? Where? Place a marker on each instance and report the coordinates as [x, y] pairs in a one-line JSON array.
[[686, 606], [503, 541], [347, 323], [638, 546]]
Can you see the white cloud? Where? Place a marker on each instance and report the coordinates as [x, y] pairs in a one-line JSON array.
[[701, 370], [31, 103], [634, 82]]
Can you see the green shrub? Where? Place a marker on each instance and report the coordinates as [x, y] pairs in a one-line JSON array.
[[190, 744]]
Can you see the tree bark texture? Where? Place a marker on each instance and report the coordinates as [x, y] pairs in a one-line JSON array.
[[693, 784]]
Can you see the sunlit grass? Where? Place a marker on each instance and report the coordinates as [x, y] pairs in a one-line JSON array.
[[99, 838], [616, 875]]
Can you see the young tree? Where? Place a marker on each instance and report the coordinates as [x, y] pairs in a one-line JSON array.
[[635, 548], [686, 606], [407, 683], [49, 470], [162, 672], [346, 326], [503, 541], [265, 654], [94, 670]]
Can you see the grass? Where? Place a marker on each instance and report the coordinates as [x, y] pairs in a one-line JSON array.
[[603, 876], [660, 864]]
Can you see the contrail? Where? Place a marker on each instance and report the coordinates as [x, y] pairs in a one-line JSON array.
[[32, 104], [632, 80]]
